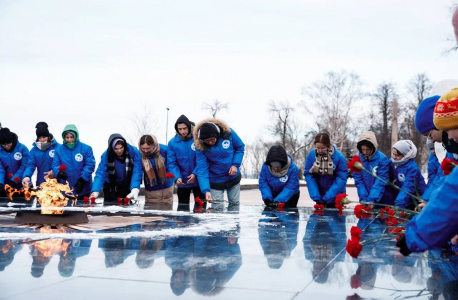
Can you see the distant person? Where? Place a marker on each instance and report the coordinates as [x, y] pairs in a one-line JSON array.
[[325, 171], [279, 179], [158, 188], [74, 163], [119, 172], [371, 189], [41, 156], [406, 174], [13, 160], [219, 156], [181, 161]]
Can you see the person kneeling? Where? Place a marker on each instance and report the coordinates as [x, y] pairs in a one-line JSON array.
[[279, 179]]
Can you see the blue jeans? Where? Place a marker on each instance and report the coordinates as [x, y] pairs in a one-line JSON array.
[[233, 196]]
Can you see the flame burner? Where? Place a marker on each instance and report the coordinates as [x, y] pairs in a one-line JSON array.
[[35, 217]]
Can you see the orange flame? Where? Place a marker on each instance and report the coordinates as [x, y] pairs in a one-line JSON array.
[[51, 247], [49, 195]]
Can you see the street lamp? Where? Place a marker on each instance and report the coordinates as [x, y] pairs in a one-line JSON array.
[[167, 127]]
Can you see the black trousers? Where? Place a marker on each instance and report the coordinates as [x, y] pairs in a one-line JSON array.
[[184, 194], [292, 202], [113, 193]]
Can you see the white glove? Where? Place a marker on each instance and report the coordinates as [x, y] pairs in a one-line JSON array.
[[94, 195], [26, 182], [133, 194]]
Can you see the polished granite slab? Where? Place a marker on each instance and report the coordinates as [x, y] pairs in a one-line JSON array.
[[245, 252]]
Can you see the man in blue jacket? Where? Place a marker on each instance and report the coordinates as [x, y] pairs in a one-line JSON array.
[[13, 160], [41, 156], [371, 189], [219, 156], [119, 172], [78, 160], [181, 161]]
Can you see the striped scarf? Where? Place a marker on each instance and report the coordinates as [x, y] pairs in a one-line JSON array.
[[125, 158], [158, 161]]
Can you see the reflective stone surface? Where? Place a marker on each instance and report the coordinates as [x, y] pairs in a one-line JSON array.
[[246, 252]]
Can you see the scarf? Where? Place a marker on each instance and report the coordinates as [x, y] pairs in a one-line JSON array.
[[125, 158], [323, 164], [283, 170], [158, 160], [43, 146], [406, 148]]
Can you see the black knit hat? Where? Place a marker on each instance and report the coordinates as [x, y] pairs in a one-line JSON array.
[[209, 130], [183, 120], [365, 143], [6, 136], [42, 129], [277, 153]]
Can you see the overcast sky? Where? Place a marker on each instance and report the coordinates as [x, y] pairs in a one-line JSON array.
[[94, 63]]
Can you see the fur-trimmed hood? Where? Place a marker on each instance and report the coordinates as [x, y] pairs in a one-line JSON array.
[[225, 132]]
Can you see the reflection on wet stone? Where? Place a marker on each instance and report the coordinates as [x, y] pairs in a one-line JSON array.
[[218, 251]]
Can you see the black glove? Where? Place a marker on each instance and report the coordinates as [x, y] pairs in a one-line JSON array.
[[62, 175], [11, 183], [275, 204], [402, 245], [267, 202], [79, 185]]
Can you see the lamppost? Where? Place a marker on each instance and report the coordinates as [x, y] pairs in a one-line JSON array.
[[167, 127]]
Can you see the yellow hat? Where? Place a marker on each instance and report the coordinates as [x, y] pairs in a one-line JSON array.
[[446, 111]]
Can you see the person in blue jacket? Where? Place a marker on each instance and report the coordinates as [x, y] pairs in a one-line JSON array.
[[279, 179], [13, 159], [406, 173], [437, 223], [78, 160], [181, 161], [158, 188], [219, 156], [433, 163], [119, 172], [325, 171], [371, 189], [41, 156]]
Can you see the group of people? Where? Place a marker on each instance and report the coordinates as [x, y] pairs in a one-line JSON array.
[[203, 159]]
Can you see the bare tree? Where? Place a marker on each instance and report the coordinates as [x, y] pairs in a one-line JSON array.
[[418, 88], [257, 155], [331, 100], [383, 97], [215, 106], [143, 122]]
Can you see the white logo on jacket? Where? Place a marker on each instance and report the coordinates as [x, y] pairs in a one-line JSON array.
[[79, 157], [284, 178], [401, 177], [193, 147], [374, 171], [226, 144], [51, 153], [18, 156]]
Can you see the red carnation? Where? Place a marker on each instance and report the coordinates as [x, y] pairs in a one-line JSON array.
[[17, 179], [392, 221], [62, 168], [403, 214], [86, 199], [355, 281], [391, 212], [169, 175], [354, 297], [319, 206], [361, 211], [341, 200], [119, 199], [387, 208], [355, 232], [281, 205], [448, 164], [354, 248], [318, 212], [10, 175], [355, 164], [93, 199], [126, 200], [198, 201]]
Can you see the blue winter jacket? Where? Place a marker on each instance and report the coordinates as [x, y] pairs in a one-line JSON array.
[[40, 160], [279, 189], [168, 181], [80, 162], [433, 167], [213, 165], [406, 177], [324, 189], [101, 175], [181, 160], [369, 188], [438, 180], [438, 222], [13, 162]]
